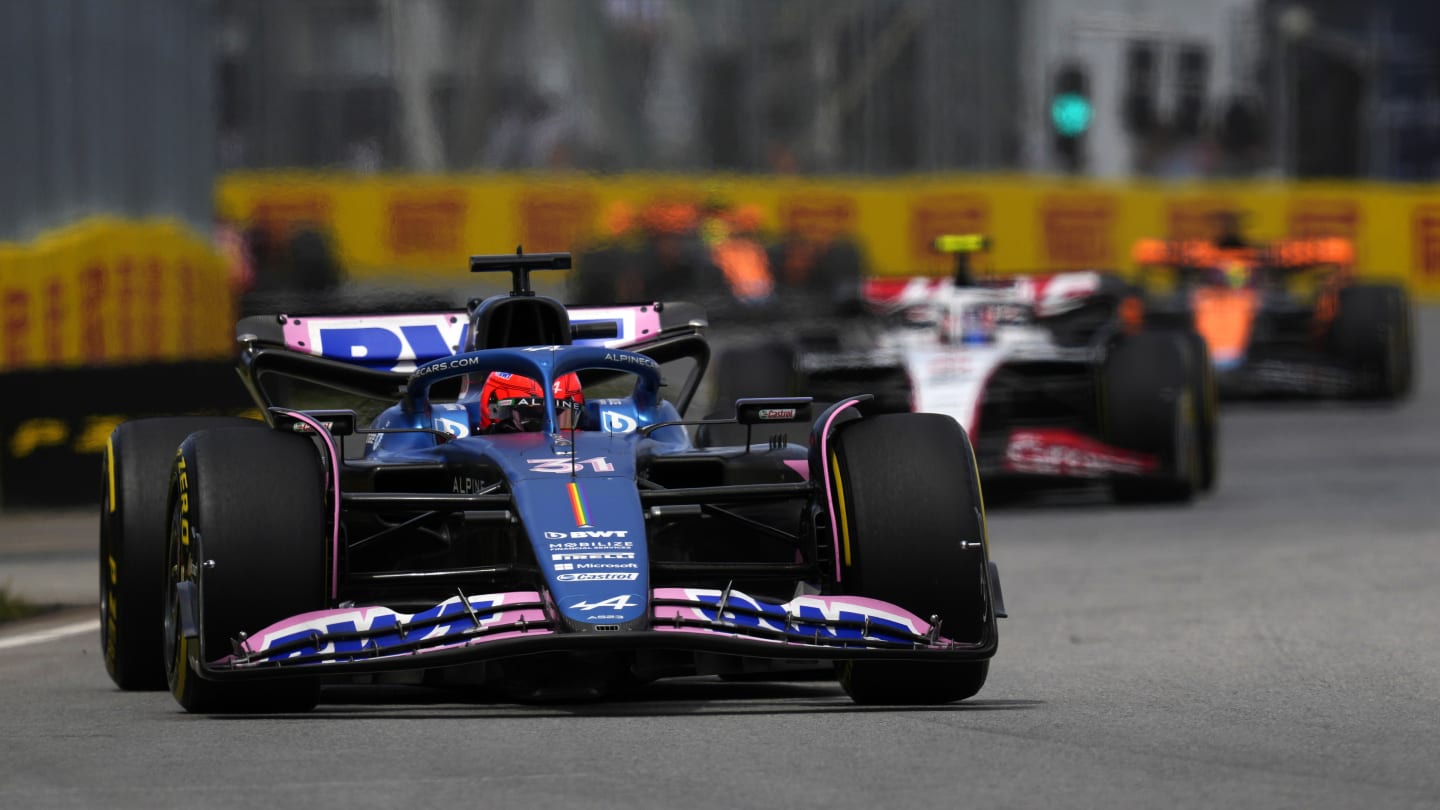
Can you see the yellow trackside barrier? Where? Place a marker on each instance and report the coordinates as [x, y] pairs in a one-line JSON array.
[[107, 291], [425, 226]]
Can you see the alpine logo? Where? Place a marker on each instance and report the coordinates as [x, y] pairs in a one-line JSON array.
[[633, 359], [614, 603], [584, 534]]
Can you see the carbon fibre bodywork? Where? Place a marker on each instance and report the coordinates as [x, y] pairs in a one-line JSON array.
[[447, 546]]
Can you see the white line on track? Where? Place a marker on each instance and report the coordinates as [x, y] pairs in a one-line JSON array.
[[42, 636]]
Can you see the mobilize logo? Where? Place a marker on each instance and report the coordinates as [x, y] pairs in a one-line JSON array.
[[592, 545], [777, 414], [583, 534]]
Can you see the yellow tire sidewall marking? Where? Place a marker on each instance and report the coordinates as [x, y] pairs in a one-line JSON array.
[[840, 508]]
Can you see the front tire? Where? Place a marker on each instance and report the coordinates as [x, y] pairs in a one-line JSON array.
[[913, 526], [1373, 335], [1205, 405], [134, 497], [248, 539], [1149, 408]]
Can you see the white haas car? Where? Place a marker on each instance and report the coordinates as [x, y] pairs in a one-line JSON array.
[[1055, 380]]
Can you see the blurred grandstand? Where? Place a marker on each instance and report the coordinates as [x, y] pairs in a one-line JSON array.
[[171, 164]]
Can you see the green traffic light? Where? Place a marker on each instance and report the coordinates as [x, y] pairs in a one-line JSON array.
[[1071, 112]]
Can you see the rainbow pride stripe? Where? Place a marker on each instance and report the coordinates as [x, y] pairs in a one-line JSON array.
[[577, 505]]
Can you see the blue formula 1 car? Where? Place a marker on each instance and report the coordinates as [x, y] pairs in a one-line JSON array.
[[510, 497]]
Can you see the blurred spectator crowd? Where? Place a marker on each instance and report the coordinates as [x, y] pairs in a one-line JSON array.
[[718, 254]]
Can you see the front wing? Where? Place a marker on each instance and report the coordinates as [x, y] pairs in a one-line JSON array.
[[1291, 376], [468, 629], [1040, 452]]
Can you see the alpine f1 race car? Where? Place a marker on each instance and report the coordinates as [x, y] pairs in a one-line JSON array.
[[1055, 379], [1285, 319], [509, 498]]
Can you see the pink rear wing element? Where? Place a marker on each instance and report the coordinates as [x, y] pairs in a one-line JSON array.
[[400, 342]]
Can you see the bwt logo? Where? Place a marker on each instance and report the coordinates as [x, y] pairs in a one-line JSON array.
[[391, 346], [613, 422], [583, 534]]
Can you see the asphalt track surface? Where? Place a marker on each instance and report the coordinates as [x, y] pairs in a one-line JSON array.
[[1273, 646]]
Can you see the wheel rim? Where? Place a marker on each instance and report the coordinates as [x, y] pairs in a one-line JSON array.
[[174, 573]]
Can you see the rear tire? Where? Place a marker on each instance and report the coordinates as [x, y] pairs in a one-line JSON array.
[[134, 493], [247, 531], [916, 538], [1373, 334], [1149, 408], [1205, 404]]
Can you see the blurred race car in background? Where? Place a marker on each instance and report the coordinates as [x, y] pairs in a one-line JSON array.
[[1287, 319], [791, 347], [389, 522], [1055, 378], [785, 316]]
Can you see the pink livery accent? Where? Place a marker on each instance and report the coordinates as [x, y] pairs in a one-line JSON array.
[[638, 323], [799, 465], [456, 619], [800, 617], [1061, 452], [303, 333], [829, 490], [333, 463], [443, 334]]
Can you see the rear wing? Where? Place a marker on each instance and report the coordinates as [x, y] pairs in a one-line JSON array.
[[398, 343], [1292, 254], [292, 361]]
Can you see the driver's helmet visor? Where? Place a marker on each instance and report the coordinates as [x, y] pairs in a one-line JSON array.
[[527, 414]]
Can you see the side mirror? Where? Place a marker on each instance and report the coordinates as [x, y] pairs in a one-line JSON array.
[[769, 410], [338, 423]]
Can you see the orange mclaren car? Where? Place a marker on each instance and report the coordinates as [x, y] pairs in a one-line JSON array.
[[1289, 318]]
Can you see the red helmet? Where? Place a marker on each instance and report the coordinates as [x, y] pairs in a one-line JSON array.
[[510, 403]]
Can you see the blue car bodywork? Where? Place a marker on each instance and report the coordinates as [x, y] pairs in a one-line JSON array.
[[448, 546]]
